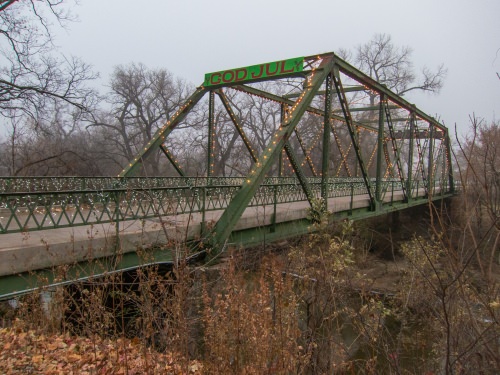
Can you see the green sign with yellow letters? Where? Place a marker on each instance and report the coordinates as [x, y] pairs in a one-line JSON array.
[[255, 72]]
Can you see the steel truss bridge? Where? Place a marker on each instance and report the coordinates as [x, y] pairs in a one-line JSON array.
[[343, 146]]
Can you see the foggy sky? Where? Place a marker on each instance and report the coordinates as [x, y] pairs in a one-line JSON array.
[[192, 37]]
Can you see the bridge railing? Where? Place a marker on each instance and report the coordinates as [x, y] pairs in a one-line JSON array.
[[28, 204]]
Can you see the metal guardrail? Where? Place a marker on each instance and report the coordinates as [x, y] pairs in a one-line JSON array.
[[28, 204]]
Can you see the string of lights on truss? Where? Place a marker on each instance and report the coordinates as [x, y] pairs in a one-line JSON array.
[[421, 151], [238, 125], [394, 144], [160, 132], [287, 117]]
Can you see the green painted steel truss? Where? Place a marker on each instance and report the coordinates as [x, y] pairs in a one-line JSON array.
[[406, 144], [329, 130]]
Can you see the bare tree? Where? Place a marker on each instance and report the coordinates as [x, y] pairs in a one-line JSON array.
[[55, 145], [141, 101], [31, 73], [393, 66], [480, 180]]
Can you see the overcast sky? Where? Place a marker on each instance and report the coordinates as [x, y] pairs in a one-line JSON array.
[[193, 37]]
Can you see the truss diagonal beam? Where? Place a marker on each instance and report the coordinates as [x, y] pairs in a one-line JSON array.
[[395, 148], [298, 171], [306, 153], [236, 122], [341, 151], [352, 131], [172, 160], [420, 163], [234, 210], [163, 132]]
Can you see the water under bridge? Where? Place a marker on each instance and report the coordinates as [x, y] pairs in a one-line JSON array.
[[345, 146]]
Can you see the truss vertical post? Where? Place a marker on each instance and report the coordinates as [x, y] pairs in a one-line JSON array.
[[451, 182], [411, 150], [211, 138], [210, 157], [280, 174], [430, 166], [326, 141], [380, 151]]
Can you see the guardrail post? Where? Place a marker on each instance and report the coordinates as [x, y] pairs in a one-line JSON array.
[[352, 198], [430, 165], [116, 214], [380, 146], [203, 219], [392, 193]]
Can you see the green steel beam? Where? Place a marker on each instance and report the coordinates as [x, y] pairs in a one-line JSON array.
[[211, 135], [172, 160], [237, 124], [370, 83], [389, 167], [298, 171], [283, 111], [163, 132], [421, 162], [233, 212], [307, 158], [411, 150], [341, 150], [365, 122], [325, 166], [395, 148], [448, 161], [353, 133], [363, 109], [322, 92], [380, 151], [430, 166], [280, 99]]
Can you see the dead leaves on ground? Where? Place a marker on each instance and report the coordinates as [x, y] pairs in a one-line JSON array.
[[27, 352]]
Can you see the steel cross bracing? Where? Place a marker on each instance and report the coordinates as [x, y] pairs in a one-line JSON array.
[[337, 133]]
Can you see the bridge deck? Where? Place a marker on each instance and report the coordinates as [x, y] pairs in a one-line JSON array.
[[21, 252]]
